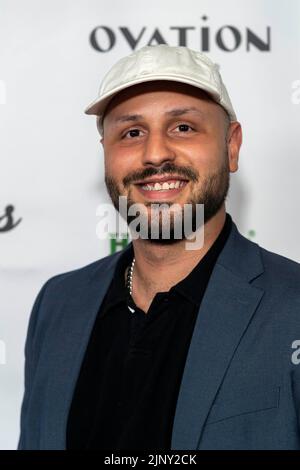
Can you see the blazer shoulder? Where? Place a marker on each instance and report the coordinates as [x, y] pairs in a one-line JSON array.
[[85, 272], [65, 286], [281, 269]]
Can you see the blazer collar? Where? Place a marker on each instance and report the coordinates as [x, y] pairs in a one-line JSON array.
[[229, 303]]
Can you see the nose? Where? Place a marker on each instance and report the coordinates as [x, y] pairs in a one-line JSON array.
[[157, 149]]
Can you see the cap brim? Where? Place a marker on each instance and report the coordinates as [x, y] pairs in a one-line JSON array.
[[98, 106]]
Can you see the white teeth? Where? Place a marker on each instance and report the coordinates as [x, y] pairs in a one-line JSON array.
[[164, 186]]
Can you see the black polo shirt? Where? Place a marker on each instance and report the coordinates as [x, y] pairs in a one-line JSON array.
[[126, 394]]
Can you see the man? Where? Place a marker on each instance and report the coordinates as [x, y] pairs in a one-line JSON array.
[[163, 346]]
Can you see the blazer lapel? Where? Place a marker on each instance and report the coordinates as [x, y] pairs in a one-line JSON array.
[[72, 335], [224, 315]]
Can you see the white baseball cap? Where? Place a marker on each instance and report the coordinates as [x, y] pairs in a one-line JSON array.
[[162, 62]]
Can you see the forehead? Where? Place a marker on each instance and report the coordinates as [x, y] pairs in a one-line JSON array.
[[151, 95]]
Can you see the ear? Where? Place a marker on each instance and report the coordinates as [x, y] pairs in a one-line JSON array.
[[234, 142]]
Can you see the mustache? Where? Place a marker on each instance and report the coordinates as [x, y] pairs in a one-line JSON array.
[[187, 172]]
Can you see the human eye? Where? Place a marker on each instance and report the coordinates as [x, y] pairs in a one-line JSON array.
[[131, 134], [184, 128]]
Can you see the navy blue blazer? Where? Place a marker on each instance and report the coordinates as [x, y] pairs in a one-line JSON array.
[[241, 383]]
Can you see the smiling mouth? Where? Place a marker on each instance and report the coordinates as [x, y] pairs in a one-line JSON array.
[[168, 187], [163, 186]]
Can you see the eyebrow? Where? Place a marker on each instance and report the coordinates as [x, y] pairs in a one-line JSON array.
[[176, 112]]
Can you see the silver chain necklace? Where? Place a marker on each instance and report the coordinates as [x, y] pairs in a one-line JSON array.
[[129, 277]]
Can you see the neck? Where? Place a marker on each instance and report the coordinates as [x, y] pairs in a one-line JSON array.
[[172, 262]]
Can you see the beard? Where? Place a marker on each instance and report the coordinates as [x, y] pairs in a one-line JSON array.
[[211, 194]]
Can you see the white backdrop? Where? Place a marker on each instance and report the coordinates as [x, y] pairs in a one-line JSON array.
[[51, 163]]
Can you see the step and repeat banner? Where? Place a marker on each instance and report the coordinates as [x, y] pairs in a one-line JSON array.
[[53, 55]]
